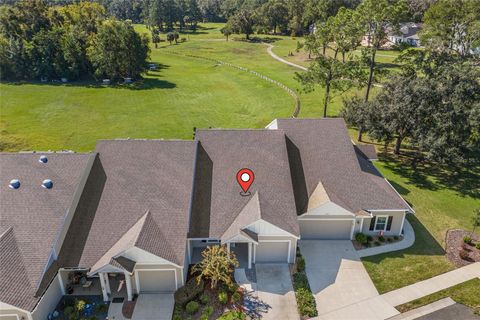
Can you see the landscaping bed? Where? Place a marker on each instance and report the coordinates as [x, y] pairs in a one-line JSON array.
[[363, 241], [306, 304], [456, 247], [465, 293], [81, 307]]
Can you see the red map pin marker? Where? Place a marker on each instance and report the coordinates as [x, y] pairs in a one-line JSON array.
[[245, 179]]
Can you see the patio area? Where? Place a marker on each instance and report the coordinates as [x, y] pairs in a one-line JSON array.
[[93, 307]]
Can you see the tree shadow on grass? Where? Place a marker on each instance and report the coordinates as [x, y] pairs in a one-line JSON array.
[[141, 84], [433, 177]]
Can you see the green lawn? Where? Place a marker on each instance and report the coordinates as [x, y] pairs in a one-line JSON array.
[[442, 200], [188, 92], [465, 293]]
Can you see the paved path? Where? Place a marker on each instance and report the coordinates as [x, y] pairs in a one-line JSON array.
[[408, 240], [432, 285], [275, 292], [340, 283], [274, 56]]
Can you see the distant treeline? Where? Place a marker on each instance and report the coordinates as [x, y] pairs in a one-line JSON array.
[[285, 16], [41, 41]]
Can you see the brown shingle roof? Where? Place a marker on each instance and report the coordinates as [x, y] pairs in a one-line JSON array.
[[264, 152], [31, 217], [141, 176], [328, 156]]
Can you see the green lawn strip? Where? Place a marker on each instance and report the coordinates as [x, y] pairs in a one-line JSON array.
[[306, 304], [466, 293], [441, 201]]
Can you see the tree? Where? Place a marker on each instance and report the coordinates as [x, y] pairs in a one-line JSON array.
[[117, 51], [330, 73], [375, 16], [346, 31], [475, 219], [226, 31], [273, 15], [217, 265], [170, 37], [243, 22], [176, 36], [155, 36], [452, 25], [310, 45]]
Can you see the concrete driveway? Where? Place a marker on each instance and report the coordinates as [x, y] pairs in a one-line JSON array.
[[340, 282], [275, 292], [154, 306]]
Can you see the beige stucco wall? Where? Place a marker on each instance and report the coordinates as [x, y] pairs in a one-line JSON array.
[[397, 222], [49, 300]]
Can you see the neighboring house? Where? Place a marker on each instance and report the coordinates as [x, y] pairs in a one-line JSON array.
[[408, 33], [132, 216]]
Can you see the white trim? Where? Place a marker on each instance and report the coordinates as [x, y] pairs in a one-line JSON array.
[[158, 264], [249, 255], [137, 280], [189, 250], [361, 225], [62, 286], [106, 268], [183, 275], [376, 221], [353, 229], [103, 285], [278, 240], [9, 315], [128, 283], [254, 252], [387, 210], [232, 239], [107, 283], [403, 221]]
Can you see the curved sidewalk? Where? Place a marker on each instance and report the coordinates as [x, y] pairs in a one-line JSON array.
[[274, 56], [408, 240]]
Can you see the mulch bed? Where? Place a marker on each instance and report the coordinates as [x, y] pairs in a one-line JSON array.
[[127, 308], [454, 243], [388, 240]]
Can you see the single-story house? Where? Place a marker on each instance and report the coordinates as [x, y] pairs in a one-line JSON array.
[[408, 33], [130, 217]]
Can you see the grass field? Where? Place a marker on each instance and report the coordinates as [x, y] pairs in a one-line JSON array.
[[188, 92], [465, 293]]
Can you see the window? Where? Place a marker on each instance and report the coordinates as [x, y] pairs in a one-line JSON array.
[[381, 223]]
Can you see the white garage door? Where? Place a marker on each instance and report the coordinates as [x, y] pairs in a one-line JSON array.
[[326, 229], [156, 280], [9, 317], [272, 252]]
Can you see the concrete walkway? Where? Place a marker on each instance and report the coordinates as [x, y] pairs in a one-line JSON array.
[[340, 283], [274, 56], [408, 240], [432, 285]]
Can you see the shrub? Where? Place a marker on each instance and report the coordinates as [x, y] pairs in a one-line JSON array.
[[177, 313], [232, 315], [69, 312], [467, 239], [233, 287], [300, 264], [389, 239], [189, 291], [477, 245], [377, 243], [192, 307], [223, 297], [306, 302], [300, 280], [381, 239], [361, 238], [396, 238], [236, 296], [299, 254], [463, 254], [204, 299], [207, 311], [101, 308], [369, 238]]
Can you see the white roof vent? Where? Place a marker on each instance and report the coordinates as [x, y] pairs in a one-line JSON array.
[[47, 184], [43, 159], [14, 184]]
